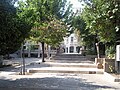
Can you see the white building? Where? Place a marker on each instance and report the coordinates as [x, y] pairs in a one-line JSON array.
[[32, 48], [72, 44]]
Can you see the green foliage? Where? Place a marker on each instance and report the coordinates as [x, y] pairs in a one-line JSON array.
[[61, 9], [101, 22], [102, 18], [88, 39], [13, 30], [51, 32], [47, 19], [80, 24], [110, 51], [91, 52]]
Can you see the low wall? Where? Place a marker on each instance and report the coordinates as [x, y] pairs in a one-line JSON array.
[[108, 64]]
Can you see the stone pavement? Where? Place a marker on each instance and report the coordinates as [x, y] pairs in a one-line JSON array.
[[61, 69], [52, 81], [55, 81]]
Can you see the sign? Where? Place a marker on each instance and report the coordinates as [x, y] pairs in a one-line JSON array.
[[118, 53]]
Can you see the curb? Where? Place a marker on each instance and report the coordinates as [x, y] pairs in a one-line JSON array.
[[82, 65], [111, 77], [65, 70]]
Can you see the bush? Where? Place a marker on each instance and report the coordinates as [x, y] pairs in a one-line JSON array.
[[91, 52], [110, 52]]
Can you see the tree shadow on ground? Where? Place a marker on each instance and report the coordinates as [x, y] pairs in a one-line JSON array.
[[27, 66], [50, 83]]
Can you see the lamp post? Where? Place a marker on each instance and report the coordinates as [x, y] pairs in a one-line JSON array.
[[98, 52], [97, 44]]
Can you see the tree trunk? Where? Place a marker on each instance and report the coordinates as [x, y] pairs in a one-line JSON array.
[[48, 53], [23, 56], [23, 62], [42, 51], [8, 56]]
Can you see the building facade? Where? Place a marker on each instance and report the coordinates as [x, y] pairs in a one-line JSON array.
[[33, 49], [71, 44]]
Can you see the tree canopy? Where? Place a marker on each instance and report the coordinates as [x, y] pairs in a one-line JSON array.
[[13, 30], [102, 18], [102, 21], [49, 18]]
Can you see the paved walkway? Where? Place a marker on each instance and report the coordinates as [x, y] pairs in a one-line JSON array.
[[42, 81], [52, 81]]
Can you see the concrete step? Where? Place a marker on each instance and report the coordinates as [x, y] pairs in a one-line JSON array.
[[90, 57], [69, 56], [65, 58], [79, 65], [65, 70], [71, 61]]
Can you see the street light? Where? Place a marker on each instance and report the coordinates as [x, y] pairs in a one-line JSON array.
[[98, 52]]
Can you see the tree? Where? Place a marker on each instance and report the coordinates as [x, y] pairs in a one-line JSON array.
[[88, 39], [102, 19], [46, 19], [13, 30], [51, 33]]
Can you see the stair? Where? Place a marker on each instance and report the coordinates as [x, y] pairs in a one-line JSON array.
[[68, 57], [53, 67], [78, 65], [67, 63], [65, 70], [71, 58]]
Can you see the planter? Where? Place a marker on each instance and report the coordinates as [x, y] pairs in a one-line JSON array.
[[99, 62], [109, 65]]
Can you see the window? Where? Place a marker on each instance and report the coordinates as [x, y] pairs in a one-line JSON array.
[[71, 39], [67, 40]]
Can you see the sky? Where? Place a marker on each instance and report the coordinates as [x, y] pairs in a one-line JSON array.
[[76, 4]]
